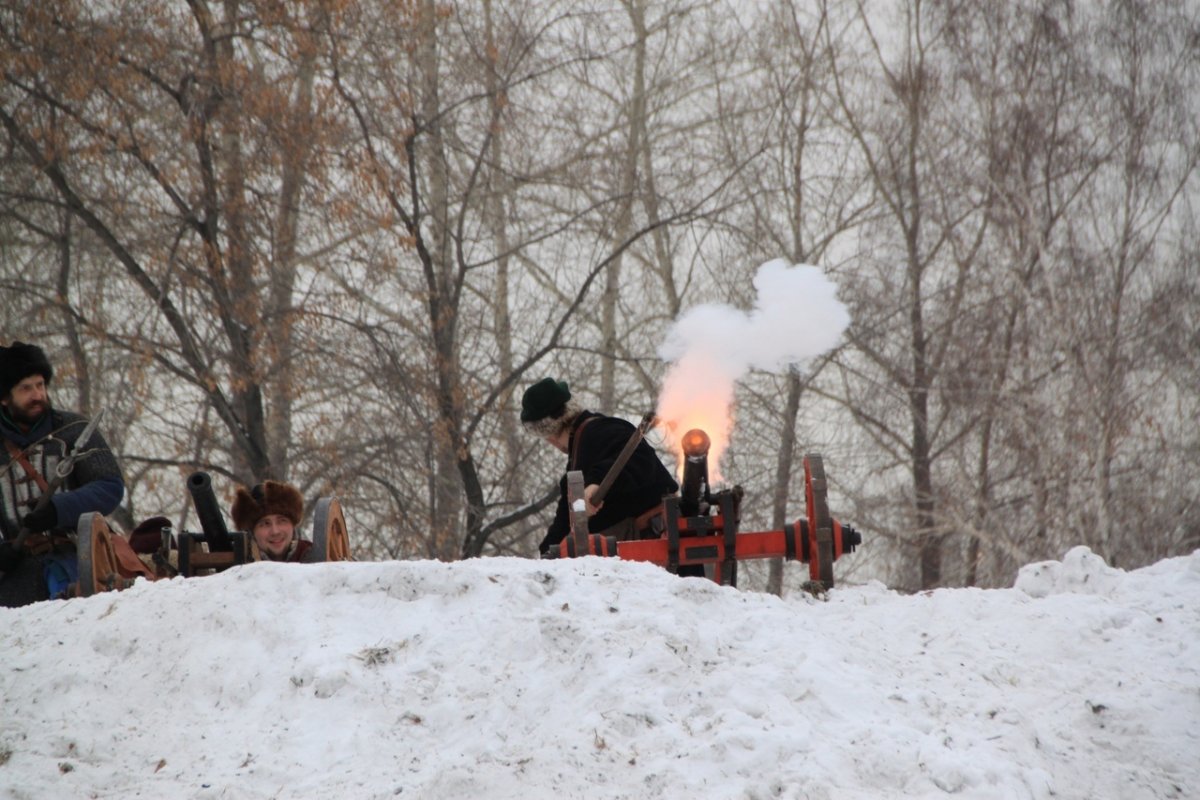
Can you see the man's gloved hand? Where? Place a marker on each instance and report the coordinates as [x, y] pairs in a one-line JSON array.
[[10, 557], [42, 519], [37, 544], [589, 491]]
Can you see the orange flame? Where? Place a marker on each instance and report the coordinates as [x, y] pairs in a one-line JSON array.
[[697, 393]]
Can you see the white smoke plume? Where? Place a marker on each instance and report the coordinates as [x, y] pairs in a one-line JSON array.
[[796, 317]]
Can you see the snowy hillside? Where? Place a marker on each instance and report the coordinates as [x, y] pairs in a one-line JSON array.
[[506, 678]]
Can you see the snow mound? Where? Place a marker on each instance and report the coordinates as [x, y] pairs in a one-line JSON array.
[[507, 678], [1081, 571]]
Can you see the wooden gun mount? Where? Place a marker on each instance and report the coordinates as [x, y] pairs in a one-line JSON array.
[[107, 563], [195, 559], [817, 540]]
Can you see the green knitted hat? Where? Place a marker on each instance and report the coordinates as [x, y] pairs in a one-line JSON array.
[[543, 399]]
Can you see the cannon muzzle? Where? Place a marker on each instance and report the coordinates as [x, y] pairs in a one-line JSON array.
[[694, 498], [199, 484]]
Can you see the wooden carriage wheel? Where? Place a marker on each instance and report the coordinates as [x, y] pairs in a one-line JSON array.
[[820, 523], [330, 540], [97, 561]]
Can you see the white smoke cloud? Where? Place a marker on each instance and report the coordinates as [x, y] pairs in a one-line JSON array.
[[796, 317]]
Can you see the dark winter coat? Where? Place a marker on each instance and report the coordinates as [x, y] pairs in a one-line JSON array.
[[299, 554], [639, 487], [94, 484]]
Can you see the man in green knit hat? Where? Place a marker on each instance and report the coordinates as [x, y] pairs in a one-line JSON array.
[[592, 443]]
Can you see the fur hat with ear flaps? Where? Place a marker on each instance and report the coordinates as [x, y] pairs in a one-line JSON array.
[[268, 497], [18, 362]]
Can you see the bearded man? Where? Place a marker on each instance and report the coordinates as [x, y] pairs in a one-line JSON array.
[[37, 437]]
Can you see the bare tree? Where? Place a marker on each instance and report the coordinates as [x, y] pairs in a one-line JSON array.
[[183, 147], [1145, 68], [1022, 70], [906, 320], [330, 242]]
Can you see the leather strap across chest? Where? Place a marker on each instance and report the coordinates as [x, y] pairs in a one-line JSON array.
[[30, 470], [573, 464]]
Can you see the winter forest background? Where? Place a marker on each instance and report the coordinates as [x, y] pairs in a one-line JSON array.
[[331, 242]]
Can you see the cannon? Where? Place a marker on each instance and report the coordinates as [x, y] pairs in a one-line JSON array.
[[224, 549], [212, 523], [699, 526], [107, 562]]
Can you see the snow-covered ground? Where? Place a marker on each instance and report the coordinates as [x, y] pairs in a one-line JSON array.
[[506, 678]]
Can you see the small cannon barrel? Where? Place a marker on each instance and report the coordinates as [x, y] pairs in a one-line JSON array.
[[199, 484], [693, 493]]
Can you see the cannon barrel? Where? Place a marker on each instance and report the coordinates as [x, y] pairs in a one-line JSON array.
[[199, 484], [694, 497]]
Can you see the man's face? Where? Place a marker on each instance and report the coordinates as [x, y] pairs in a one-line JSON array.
[[28, 400], [273, 533], [561, 439]]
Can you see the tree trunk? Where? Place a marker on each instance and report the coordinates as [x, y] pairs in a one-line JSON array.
[[281, 329], [783, 472], [442, 290]]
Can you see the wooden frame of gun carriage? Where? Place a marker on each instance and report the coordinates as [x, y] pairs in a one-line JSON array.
[[700, 527], [106, 566]]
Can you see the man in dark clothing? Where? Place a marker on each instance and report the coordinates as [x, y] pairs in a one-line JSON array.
[[592, 443], [36, 439]]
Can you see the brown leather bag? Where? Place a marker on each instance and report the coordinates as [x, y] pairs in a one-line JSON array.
[[129, 565]]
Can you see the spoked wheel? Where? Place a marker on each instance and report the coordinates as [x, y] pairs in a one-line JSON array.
[[820, 523], [330, 540], [97, 562]]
